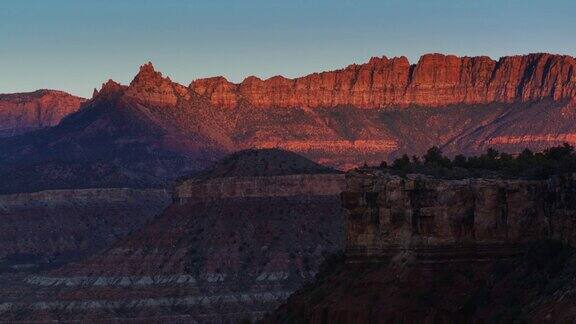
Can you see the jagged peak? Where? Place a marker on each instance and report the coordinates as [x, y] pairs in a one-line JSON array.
[[375, 60], [147, 68], [402, 59], [149, 85], [147, 74], [109, 89], [110, 85]]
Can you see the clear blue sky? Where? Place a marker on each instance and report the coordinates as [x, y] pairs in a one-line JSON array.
[[77, 45]]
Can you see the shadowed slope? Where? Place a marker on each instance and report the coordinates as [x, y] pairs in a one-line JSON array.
[[120, 137], [263, 162]]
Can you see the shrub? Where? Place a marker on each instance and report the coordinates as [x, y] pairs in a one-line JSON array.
[[527, 164]]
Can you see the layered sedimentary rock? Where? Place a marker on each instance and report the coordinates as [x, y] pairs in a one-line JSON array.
[[278, 186], [51, 227], [424, 250], [436, 80], [231, 246], [388, 215], [25, 112]]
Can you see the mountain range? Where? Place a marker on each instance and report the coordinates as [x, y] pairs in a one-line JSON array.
[[155, 130]]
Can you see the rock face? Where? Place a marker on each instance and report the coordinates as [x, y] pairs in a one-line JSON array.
[[436, 80], [277, 186], [387, 215], [234, 251], [425, 250], [51, 227], [25, 112]]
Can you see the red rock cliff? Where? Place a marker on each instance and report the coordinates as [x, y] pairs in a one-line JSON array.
[[23, 112], [434, 81]]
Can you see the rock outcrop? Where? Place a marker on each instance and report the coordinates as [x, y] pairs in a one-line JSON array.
[[151, 87], [436, 80], [428, 250], [477, 218], [24, 112]]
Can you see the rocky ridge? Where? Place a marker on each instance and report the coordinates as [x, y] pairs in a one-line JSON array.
[[154, 130], [436, 80]]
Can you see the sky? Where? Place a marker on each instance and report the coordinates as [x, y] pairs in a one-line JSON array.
[[77, 45]]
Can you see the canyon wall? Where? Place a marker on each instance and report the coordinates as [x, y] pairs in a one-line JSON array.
[[25, 112], [244, 187], [226, 249], [434, 218], [427, 250], [57, 225], [436, 80]]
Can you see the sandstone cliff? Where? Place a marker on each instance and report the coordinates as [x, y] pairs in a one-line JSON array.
[[436, 80], [426, 250], [388, 215], [25, 112]]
